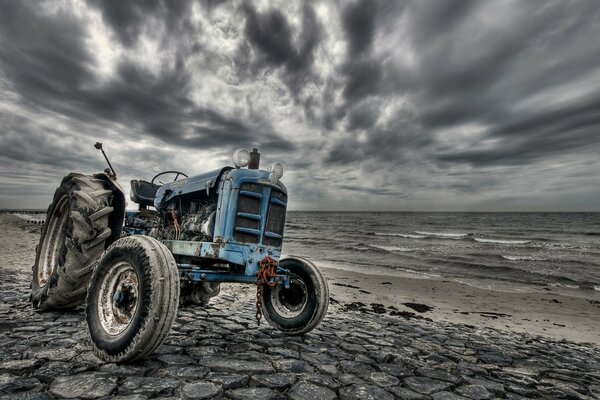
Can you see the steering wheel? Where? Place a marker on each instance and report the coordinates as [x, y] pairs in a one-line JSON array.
[[177, 174]]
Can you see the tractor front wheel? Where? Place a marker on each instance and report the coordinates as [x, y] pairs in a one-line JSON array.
[[132, 299], [301, 307]]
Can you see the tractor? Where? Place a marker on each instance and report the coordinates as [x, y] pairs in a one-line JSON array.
[[132, 269]]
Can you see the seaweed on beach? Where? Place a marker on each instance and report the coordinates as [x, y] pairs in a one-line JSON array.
[[418, 307]]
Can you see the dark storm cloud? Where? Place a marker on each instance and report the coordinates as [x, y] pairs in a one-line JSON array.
[[358, 20], [271, 37], [49, 64], [460, 97], [129, 18], [468, 72]]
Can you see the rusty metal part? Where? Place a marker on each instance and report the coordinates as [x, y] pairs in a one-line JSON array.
[[254, 159], [175, 224], [118, 298], [267, 275]]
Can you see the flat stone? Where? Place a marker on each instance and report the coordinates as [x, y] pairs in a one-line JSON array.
[[306, 390], [254, 394], [495, 358], [438, 374], [406, 394], [273, 381], [383, 379], [364, 392], [148, 386], [240, 366], [447, 396], [10, 383], [295, 366], [229, 381], [19, 365], [176, 359], [323, 380], [201, 390], [85, 386], [55, 354], [494, 387], [356, 368], [398, 370], [425, 385], [475, 392], [27, 396], [183, 372], [122, 369]]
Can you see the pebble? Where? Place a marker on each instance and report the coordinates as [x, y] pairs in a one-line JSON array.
[[85, 386], [425, 385], [306, 390], [201, 390]]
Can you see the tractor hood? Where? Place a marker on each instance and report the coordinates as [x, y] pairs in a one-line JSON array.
[[205, 181]]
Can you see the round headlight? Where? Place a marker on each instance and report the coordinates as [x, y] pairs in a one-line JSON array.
[[277, 169], [273, 178], [241, 158]]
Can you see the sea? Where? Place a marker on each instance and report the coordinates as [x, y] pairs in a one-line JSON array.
[[511, 251], [507, 251]]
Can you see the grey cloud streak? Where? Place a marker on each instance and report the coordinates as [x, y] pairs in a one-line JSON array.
[[392, 105]]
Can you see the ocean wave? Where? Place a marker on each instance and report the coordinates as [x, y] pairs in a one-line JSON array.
[[365, 248], [524, 258], [500, 241], [564, 285], [394, 248], [402, 235], [444, 235]]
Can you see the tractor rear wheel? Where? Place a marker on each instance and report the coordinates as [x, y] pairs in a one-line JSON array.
[[301, 307], [73, 238], [132, 299]]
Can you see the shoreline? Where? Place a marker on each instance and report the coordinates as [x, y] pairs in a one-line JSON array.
[[551, 313]]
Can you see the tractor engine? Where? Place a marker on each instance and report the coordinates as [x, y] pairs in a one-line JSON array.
[[191, 220]]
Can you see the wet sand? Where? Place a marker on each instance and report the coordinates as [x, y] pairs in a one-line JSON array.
[[550, 313]]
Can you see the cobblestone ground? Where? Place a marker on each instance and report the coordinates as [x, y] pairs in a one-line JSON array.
[[219, 352]]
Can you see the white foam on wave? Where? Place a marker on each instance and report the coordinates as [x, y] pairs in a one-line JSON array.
[[448, 235], [29, 217], [563, 285], [394, 248], [402, 235], [501, 241], [523, 258]]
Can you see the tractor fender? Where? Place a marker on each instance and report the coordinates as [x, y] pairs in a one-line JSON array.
[[117, 216]]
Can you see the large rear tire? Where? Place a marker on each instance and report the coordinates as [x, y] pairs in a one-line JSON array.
[[132, 299], [300, 308], [73, 238]]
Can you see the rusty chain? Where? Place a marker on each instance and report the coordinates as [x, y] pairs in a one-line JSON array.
[[267, 275]]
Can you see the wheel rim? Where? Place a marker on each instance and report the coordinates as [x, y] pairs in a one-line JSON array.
[[290, 303], [54, 240], [118, 298]]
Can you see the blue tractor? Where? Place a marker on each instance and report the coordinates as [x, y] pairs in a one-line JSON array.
[[134, 269]]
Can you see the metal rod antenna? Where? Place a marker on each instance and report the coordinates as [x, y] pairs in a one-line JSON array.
[[98, 146]]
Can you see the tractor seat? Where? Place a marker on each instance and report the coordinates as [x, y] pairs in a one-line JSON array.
[[143, 193]]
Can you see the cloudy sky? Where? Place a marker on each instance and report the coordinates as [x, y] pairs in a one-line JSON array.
[[370, 105]]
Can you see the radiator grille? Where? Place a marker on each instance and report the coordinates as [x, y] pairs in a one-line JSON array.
[[248, 218], [275, 219], [248, 213]]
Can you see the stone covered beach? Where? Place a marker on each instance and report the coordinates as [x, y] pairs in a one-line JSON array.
[[362, 350]]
